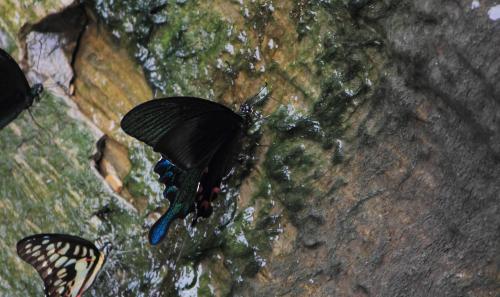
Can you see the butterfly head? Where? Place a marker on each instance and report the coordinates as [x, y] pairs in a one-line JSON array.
[[104, 246], [247, 109], [35, 91]]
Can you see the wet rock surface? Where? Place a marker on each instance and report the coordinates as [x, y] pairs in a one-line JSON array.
[[376, 174], [439, 153], [416, 211]]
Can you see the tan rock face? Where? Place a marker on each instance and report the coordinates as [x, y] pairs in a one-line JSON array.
[[109, 83], [114, 182], [27, 12], [378, 175], [112, 158]]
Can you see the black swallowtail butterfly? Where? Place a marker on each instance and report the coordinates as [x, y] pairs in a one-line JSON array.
[[201, 138], [16, 94]]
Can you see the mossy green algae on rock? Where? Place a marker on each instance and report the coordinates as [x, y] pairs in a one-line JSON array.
[[321, 64]]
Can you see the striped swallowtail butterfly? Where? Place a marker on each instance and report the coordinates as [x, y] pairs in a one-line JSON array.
[[67, 264]]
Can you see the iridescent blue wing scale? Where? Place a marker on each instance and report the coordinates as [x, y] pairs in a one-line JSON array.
[[169, 176], [180, 189]]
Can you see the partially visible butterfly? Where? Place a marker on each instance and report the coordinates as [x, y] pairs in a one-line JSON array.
[[16, 94], [201, 137], [67, 264]]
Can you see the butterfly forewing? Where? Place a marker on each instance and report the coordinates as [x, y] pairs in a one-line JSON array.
[[14, 89], [196, 140], [67, 264], [186, 129]]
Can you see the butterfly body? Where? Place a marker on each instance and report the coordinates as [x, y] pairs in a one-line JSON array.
[[16, 94], [67, 264], [201, 138]]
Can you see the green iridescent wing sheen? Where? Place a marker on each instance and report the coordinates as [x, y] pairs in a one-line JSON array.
[[188, 130]]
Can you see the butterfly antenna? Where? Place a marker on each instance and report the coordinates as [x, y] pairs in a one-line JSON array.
[[39, 55], [40, 126], [166, 278], [124, 252], [23, 140], [180, 252], [262, 145], [274, 99]]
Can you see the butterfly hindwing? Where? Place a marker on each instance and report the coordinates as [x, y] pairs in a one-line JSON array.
[[169, 176], [15, 90], [218, 168], [67, 264], [188, 130]]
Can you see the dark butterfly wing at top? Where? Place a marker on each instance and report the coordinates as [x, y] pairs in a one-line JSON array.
[[14, 89], [67, 264], [188, 130]]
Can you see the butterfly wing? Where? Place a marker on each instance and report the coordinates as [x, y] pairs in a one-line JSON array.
[[219, 167], [14, 89], [169, 176], [223, 161], [67, 264], [187, 130]]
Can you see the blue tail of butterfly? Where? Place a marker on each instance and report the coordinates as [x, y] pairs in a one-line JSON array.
[[160, 228], [180, 189], [167, 172]]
